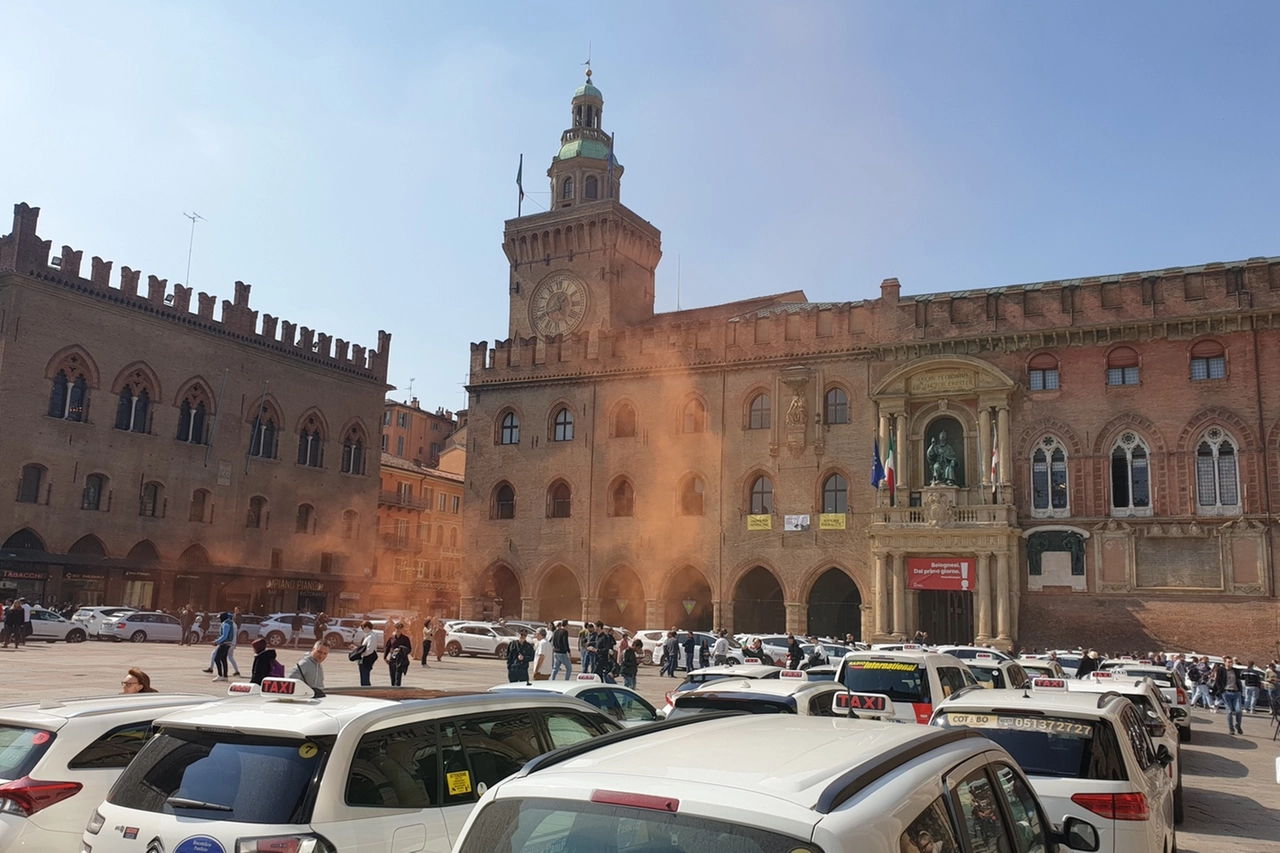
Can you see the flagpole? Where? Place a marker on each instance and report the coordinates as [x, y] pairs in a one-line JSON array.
[[520, 187]]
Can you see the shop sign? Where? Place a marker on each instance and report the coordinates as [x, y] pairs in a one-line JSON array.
[[15, 574], [84, 576], [142, 575], [349, 596], [301, 584], [187, 577], [441, 585], [940, 573]]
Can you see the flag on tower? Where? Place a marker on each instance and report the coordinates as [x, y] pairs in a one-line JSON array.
[[890, 474], [520, 184], [877, 469]]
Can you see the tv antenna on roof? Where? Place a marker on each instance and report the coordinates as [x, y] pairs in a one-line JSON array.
[[193, 216], [411, 378]]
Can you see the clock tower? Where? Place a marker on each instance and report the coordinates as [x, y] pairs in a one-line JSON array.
[[588, 262]]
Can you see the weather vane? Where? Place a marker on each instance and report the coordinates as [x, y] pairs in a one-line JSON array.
[[588, 62]]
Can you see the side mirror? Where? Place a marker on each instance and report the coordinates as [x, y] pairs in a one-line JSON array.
[[1079, 834], [1163, 755]]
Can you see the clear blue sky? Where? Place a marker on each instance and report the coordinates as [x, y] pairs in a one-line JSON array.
[[355, 162]]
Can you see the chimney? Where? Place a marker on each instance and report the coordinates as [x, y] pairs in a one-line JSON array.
[[889, 290]]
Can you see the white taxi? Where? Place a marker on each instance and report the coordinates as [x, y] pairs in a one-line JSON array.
[[282, 768], [822, 785], [1087, 755], [1167, 682], [699, 677], [902, 686], [790, 693], [998, 674], [622, 703]]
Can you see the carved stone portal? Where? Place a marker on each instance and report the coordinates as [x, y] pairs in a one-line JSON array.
[[796, 423]]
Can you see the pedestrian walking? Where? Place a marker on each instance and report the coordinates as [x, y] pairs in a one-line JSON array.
[[398, 652], [225, 636], [367, 653], [720, 651], [670, 654], [320, 626], [519, 656], [630, 665], [26, 620], [560, 651], [795, 652], [264, 660], [437, 639], [589, 650], [1251, 676], [427, 633], [295, 628], [310, 670], [689, 645], [1228, 685], [542, 655], [13, 626], [186, 618]]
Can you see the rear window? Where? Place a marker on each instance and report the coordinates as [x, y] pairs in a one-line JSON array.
[[694, 704], [558, 826], [221, 776], [901, 681], [1049, 746], [21, 749]]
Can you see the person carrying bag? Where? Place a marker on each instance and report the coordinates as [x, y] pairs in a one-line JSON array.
[[397, 653]]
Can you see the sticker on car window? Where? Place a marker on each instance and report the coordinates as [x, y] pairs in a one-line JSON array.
[[308, 750], [199, 844], [459, 782]]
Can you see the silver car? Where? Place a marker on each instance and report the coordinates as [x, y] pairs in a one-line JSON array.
[[142, 628]]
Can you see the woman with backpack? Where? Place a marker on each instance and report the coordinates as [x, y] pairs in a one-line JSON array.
[[264, 662]]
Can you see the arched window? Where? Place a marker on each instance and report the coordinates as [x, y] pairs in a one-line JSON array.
[[305, 512], [761, 496], [835, 409], [439, 534], [567, 188], [453, 537], [149, 502], [1208, 361], [310, 445], [835, 494], [504, 502], [29, 487], [200, 505], [1217, 474], [264, 436], [592, 187], [510, 432], [1042, 373], [257, 512], [760, 412], [623, 500], [1049, 478], [691, 493], [69, 398], [1122, 366], [353, 451], [95, 486], [1130, 476], [350, 524], [560, 501], [563, 429], [693, 417], [132, 409], [624, 422], [191, 418]]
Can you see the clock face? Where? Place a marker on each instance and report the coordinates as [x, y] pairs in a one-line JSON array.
[[558, 306]]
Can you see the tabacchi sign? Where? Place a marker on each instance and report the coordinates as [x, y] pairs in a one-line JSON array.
[[940, 573]]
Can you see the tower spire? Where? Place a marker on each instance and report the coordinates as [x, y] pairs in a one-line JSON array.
[[585, 169]]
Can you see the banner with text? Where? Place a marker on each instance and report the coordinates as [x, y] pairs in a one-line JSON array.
[[940, 573], [759, 522], [831, 521]]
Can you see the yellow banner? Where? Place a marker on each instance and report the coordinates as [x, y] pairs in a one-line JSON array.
[[831, 521], [759, 522]]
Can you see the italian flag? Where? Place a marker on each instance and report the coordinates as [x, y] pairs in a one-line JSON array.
[[890, 474]]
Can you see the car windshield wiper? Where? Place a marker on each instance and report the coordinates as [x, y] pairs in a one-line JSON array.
[[185, 803]]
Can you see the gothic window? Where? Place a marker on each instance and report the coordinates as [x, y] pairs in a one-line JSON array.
[[310, 445], [623, 500], [693, 417], [504, 503], [836, 407], [563, 429], [353, 451], [761, 496], [149, 501], [1130, 476], [624, 422], [567, 191], [1049, 479], [257, 512], [1208, 361], [510, 432], [1042, 373], [95, 486], [560, 500], [265, 432], [69, 399], [199, 505], [305, 513], [453, 537], [1122, 366], [760, 412], [1217, 474], [350, 524], [691, 494], [592, 187], [193, 412], [133, 409], [835, 494], [29, 487]]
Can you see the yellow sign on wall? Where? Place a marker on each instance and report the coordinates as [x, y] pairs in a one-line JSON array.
[[759, 522], [831, 521]]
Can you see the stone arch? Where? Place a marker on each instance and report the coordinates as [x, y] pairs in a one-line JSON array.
[[1128, 421], [833, 601], [194, 557], [88, 545], [753, 391], [270, 409], [199, 389], [748, 480], [693, 404], [758, 600], [74, 358], [987, 376], [554, 409], [1028, 438], [498, 591], [618, 409], [25, 539], [357, 423], [621, 597], [820, 485], [502, 413], [144, 551], [688, 582], [621, 504], [315, 418], [138, 375], [1222, 416], [559, 593]]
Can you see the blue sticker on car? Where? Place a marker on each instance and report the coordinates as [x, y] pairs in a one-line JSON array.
[[199, 844]]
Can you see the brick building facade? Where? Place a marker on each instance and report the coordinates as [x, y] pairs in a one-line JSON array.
[[158, 456], [1077, 461]]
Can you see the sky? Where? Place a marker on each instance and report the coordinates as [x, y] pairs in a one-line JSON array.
[[355, 163]]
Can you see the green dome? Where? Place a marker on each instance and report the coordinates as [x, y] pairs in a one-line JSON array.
[[588, 89], [589, 148]]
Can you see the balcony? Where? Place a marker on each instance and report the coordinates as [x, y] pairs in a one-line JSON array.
[[404, 544], [387, 498], [982, 515]]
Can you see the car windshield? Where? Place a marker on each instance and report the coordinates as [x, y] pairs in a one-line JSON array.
[[694, 704], [556, 826], [20, 749], [901, 681], [503, 631], [1049, 746], [220, 776]]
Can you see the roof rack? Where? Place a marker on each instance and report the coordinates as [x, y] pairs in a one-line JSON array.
[[848, 784], [573, 750]]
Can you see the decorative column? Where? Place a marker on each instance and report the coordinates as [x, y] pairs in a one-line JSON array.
[[654, 612], [724, 614], [883, 434], [899, 569], [797, 617], [1002, 598], [1006, 452], [529, 609], [881, 595], [468, 607], [901, 458], [984, 598], [984, 451]]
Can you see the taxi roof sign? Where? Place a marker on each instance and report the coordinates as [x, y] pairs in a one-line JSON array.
[[798, 674], [243, 688], [911, 647], [1049, 685], [587, 676], [1102, 675], [984, 656], [862, 704], [751, 660], [287, 688]]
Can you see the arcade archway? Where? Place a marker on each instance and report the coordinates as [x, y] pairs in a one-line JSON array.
[[622, 599], [560, 596], [757, 604], [688, 601], [835, 606]]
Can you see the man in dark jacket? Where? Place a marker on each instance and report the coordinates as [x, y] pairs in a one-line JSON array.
[[795, 653], [519, 655], [1088, 663], [1229, 687], [560, 652], [688, 651], [631, 663], [605, 644]]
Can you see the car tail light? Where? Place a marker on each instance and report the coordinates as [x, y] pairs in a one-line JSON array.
[[637, 801], [670, 701], [26, 796], [284, 844], [96, 820], [1182, 695], [1131, 806]]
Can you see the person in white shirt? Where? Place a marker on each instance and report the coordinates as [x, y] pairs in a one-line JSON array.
[[542, 657], [720, 651]]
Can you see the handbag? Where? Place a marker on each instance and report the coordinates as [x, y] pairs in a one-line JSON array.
[[355, 654]]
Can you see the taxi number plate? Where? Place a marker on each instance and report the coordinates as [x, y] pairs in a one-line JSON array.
[[1025, 724]]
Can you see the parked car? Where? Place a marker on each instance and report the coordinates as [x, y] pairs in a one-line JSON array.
[[51, 627], [622, 703], [75, 748], [1174, 694], [478, 638], [910, 682], [998, 674], [141, 627], [278, 631], [91, 618], [699, 677], [790, 693], [736, 653]]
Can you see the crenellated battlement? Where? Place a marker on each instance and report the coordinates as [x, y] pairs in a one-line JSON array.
[[22, 251]]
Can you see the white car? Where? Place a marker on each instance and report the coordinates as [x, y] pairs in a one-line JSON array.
[[699, 677], [142, 627], [998, 674], [283, 769], [737, 654], [1042, 667], [651, 639], [770, 785], [90, 618], [75, 748], [1087, 756], [1174, 693], [277, 629], [479, 638], [790, 693], [51, 627], [909, 682], [622, 703], [966, 653]]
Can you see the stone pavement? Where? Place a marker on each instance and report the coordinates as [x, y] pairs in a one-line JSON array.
[[1231, 795]]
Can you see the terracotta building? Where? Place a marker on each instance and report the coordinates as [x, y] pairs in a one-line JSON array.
[[158, 455], [1077, 461]]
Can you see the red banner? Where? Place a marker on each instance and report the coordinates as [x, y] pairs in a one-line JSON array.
[[941, 573]]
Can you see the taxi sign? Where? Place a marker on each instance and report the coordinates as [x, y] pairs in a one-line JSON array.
[[243, 688], [587, 676], [1145, 662], [1050, 685], [911, 647], [1102, 675], [868, 704], [984, 656], [292, 688], [798, 674], [751, 660]]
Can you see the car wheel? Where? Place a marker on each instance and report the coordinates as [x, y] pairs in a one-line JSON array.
[[243, 638], [453, 649], [648, 659], [275, 639], [75, 635], [500, 651], [1178, 813], [138, 637], [334, 641], [1184, 734], [193, 638]]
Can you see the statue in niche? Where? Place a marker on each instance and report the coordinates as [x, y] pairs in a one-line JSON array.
[[942, 461], [796, 412]]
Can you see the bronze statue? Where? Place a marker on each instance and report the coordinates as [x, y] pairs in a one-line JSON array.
[[942, 461]]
